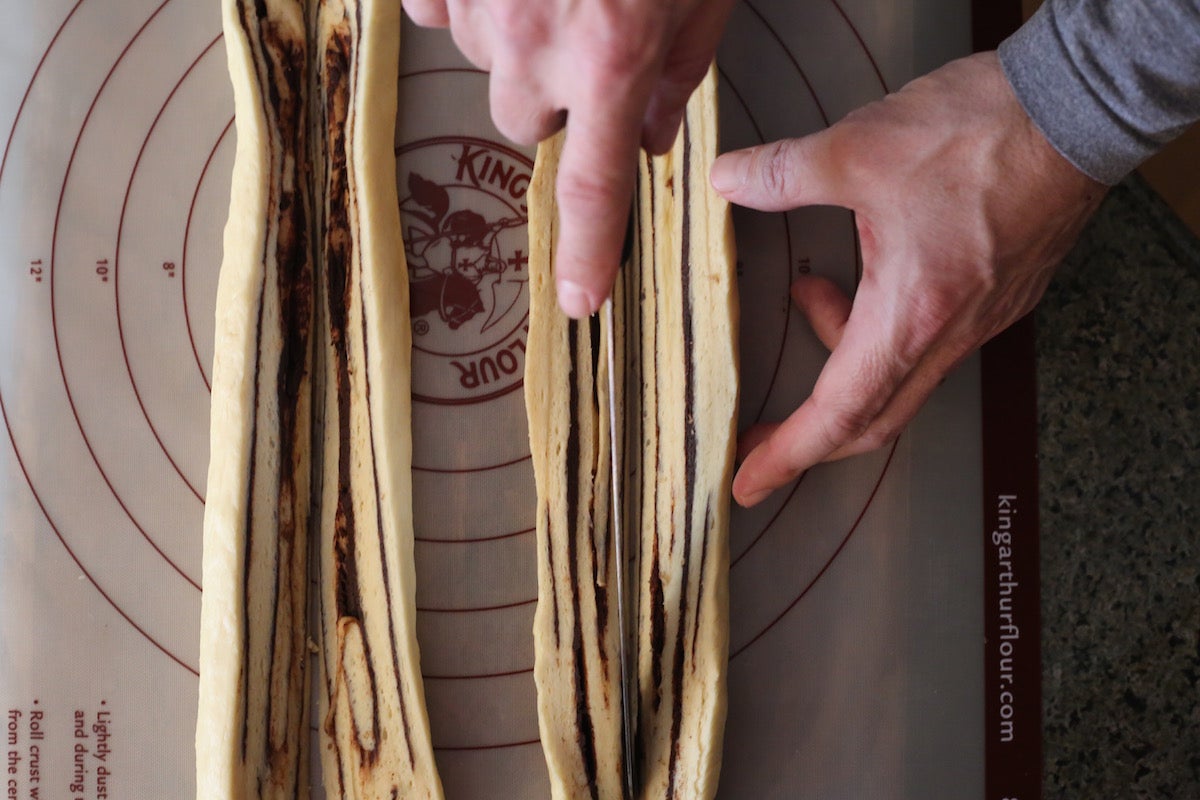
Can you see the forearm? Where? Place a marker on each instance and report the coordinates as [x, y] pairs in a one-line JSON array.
[[1108, 83]]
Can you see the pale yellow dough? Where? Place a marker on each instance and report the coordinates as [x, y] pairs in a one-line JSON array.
[[313, 203], [676, 326]]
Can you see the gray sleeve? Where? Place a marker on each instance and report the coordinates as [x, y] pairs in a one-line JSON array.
[[1108, 82]]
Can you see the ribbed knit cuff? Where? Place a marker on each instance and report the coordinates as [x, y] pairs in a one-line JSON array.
[[1055, 83]]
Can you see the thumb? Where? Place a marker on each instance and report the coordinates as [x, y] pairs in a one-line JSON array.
[[779, 175]]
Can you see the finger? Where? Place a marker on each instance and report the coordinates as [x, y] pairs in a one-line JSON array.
[[825, 305], [661, 126], [686, 64], [944, 356], [594, 190], [428, 13], [808, 437], [896, 415], [752, 437], [469, 29], [860, 378], [520, 110], [781, 175]]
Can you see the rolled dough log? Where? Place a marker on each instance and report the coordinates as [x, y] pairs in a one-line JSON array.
[[311, 438], [375, 733], [675, 307], [576, 664], [252, 725]]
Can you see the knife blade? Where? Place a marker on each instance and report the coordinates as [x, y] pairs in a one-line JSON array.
[[619, 531]]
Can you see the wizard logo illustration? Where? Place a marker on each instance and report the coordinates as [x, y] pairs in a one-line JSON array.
[[464, 223]]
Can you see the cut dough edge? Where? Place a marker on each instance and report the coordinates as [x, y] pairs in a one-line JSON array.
[[678, 750], [223, 770]]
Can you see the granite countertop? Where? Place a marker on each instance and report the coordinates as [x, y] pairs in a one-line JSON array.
[[1119, 415]]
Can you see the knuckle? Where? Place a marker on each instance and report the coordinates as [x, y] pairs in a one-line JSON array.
[[845, 423], [579, 191], [776, 172], [616, 44], [879, 436], [611, 58], [519, 22], [850, 151]]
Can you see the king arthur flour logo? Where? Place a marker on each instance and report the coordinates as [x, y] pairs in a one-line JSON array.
[[464, 213]]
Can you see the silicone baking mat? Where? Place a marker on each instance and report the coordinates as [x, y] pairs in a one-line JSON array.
[[857, 660]]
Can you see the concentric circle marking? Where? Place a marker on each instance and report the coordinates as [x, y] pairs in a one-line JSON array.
[[117, 267], [86, 572], [824, 567], [475, 540], [183, 264], [54, 309], [790, 506], [478, 747]]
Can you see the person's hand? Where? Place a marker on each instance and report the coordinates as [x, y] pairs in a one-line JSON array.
[[963, 212], [620, 70]]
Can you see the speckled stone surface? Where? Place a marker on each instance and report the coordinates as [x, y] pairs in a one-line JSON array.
[[1119, 410]]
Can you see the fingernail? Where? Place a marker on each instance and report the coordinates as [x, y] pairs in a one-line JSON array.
[[754, 498], [745, 498], [576, 302], [727, 173]]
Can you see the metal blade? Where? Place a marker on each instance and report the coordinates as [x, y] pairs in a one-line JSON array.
[[618, 530]]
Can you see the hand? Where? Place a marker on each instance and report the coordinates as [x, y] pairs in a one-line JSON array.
[[963, 212], [621, 71]]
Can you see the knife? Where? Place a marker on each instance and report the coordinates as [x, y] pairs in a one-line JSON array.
[[626, 650]]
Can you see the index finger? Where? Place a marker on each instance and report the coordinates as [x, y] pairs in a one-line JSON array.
[[596, 175]]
